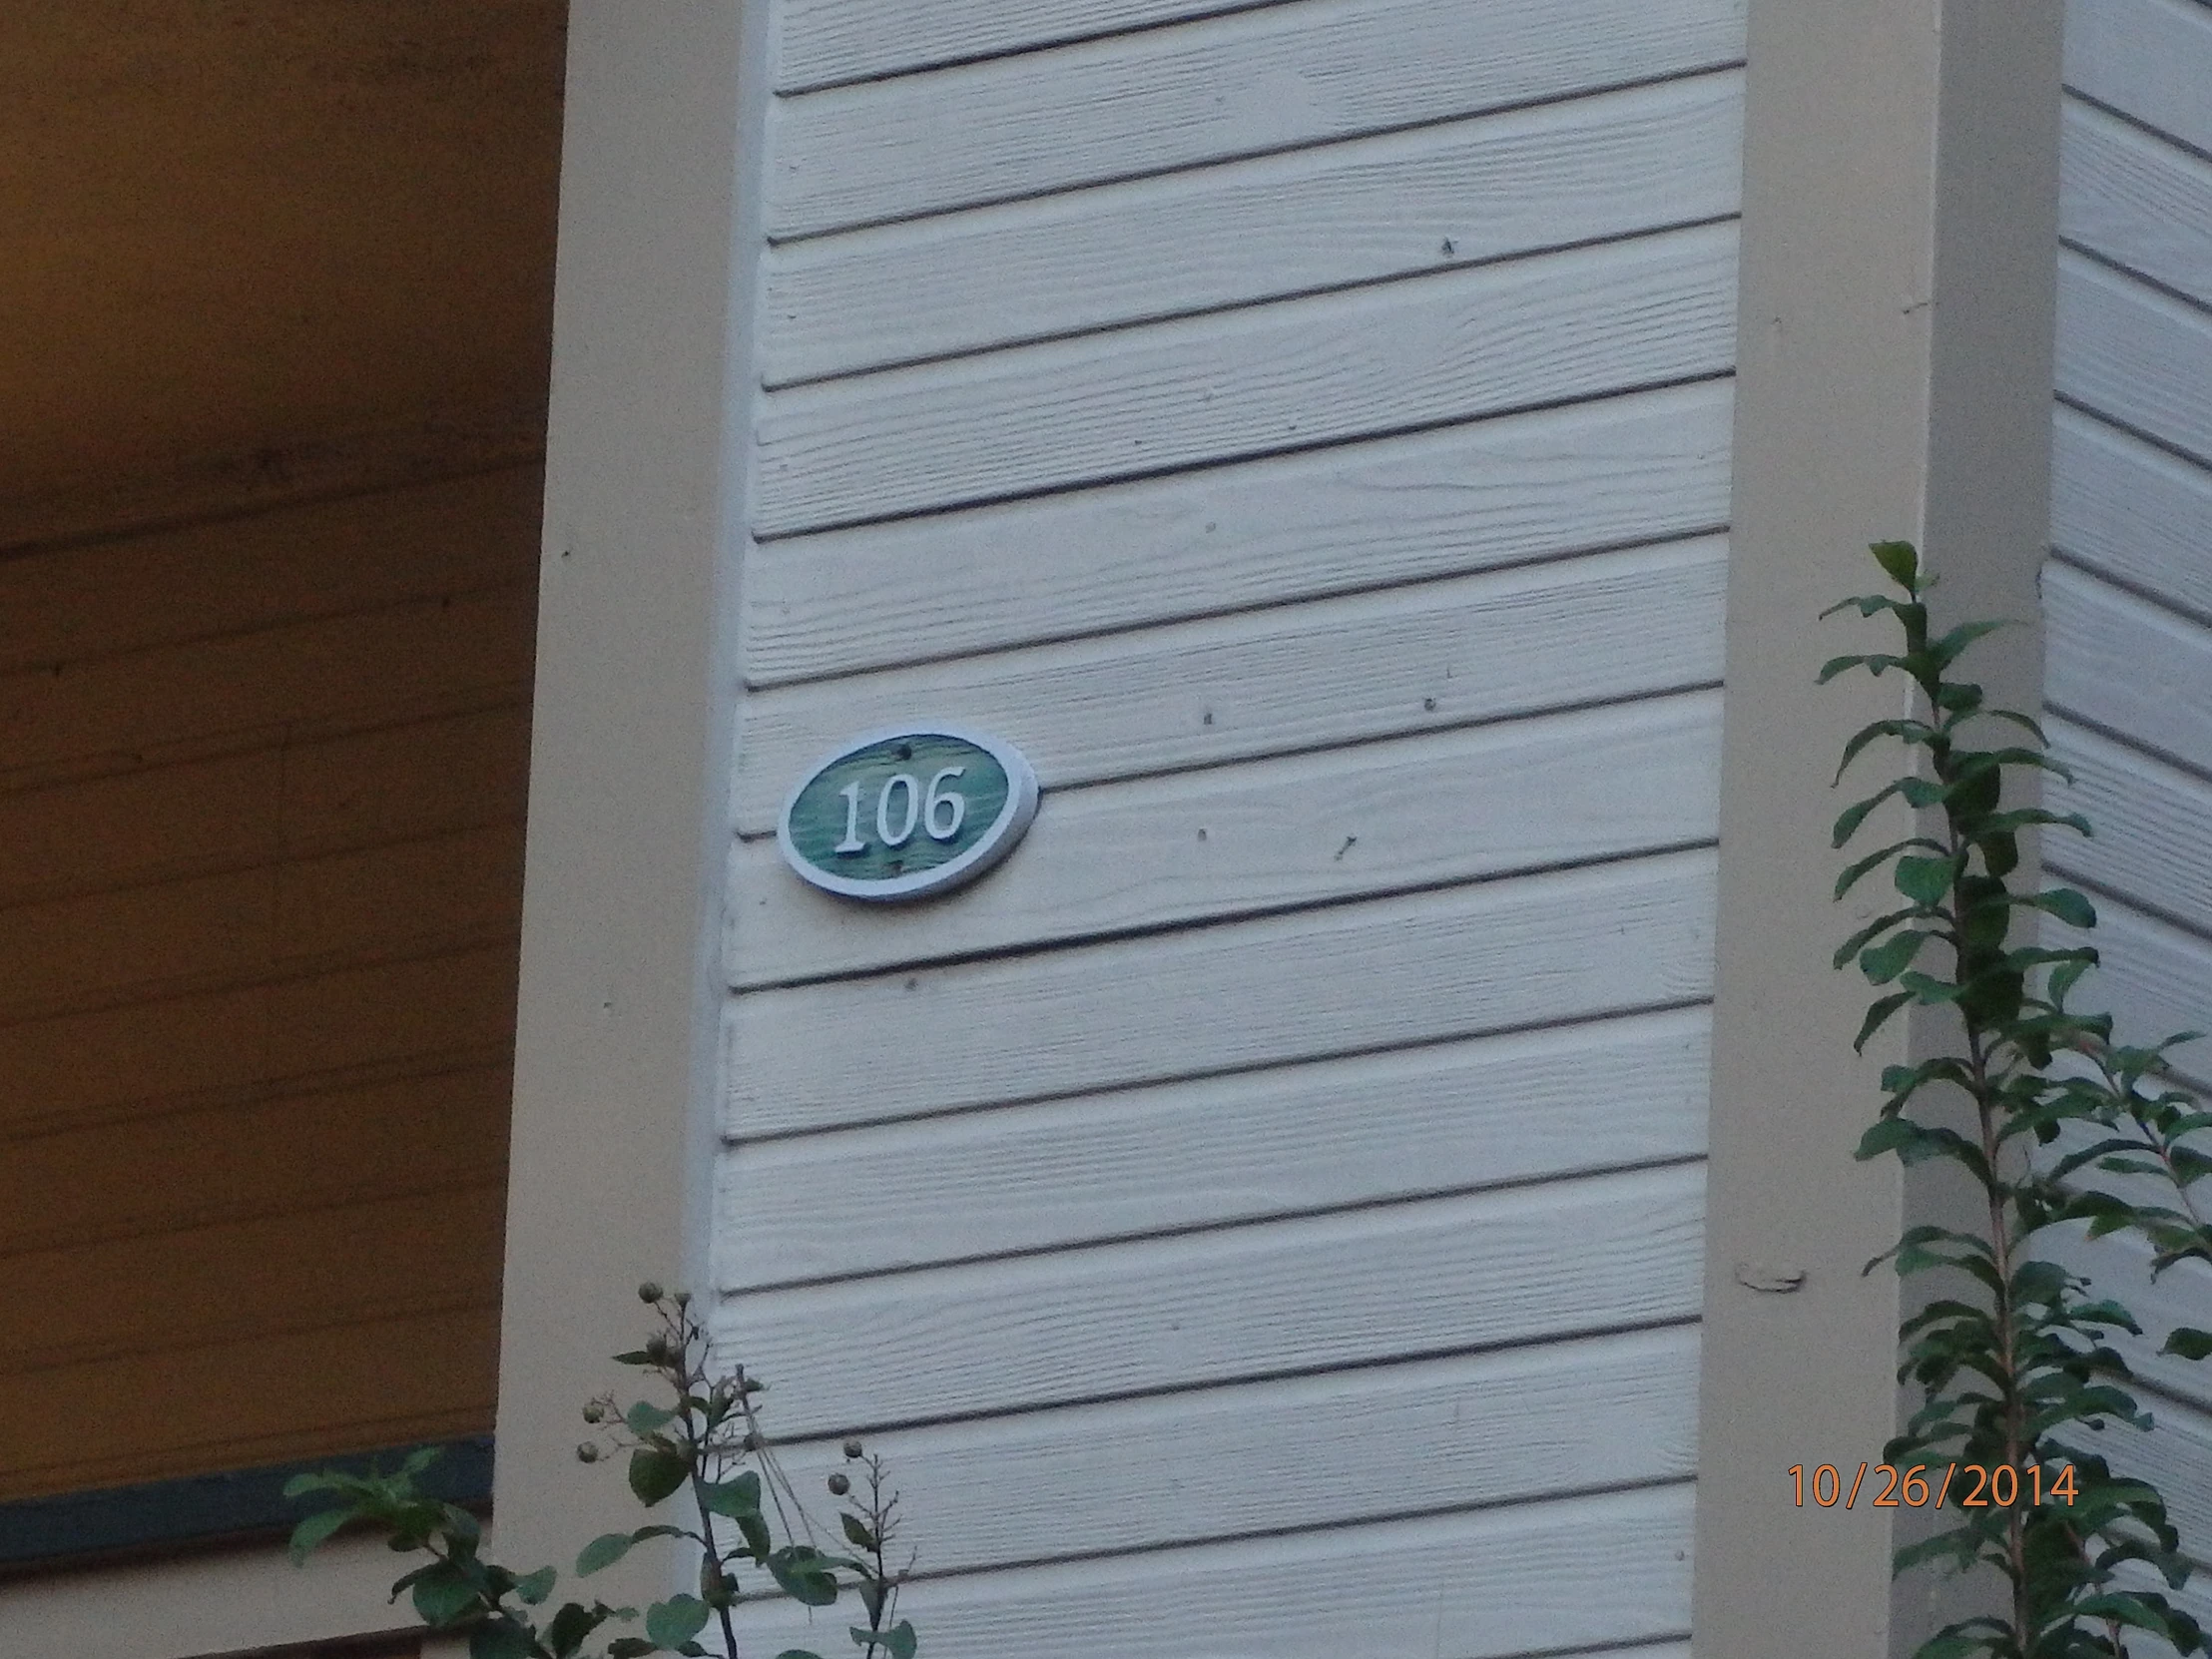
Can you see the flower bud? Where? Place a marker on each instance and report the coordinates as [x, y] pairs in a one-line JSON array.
[[838, 1486], [587, 1453], [649, 1292], [593, 1412], [853, 1448]]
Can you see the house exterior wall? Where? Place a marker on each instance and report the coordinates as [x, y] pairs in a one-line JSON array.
[[2127, 596], [1303, 431], [261, 785]]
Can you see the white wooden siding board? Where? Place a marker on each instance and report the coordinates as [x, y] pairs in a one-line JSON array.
[[1234, 995], [1293, 375], [2148, 58], [1275, 834], [1435, 1277], [1572, 1575], [2153, 821], [2136, 356], [1270, 681], [2120, 1266], [2193, 1598], [2153, 978], [2176, 1457], [2131, 512], [1363, 211], [1294, 1454], [824, 42], [2129, 666], [1271, 79], [2138, 202], [1333, 1133], [1427, 505]]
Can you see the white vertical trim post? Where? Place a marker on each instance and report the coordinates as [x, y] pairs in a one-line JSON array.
[[615, 1064], [1900, 230]]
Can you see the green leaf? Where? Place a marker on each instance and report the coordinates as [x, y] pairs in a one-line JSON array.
[[533, 1587], [1852, 874], [2068, 905], [797, 1653], [675, 1622], [1846, 825], [500, 1639], [1876, 1016], [644, 1417], [856, 1532], [655, 1472], [444, 1594], [1899, 562], [804, 1574], [630, 1647], [602, 1552], [1881, 925], [2189, 1342], [734, 1500], [898, 1641], [1952, 645], [310, 1533], [755, 1534], [1923, 880], [1913, 733], [1885, 961], [572, 1625]]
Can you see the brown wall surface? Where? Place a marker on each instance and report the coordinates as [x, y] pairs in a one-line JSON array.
[[279, 286], [258, 921]]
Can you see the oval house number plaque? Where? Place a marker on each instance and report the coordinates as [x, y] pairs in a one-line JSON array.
[[903, 815]]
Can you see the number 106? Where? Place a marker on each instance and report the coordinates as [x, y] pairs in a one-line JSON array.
[[939, 811]]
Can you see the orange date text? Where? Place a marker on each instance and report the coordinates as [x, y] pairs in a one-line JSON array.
[[1936, 1485]]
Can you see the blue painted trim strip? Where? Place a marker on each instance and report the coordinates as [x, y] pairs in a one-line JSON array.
[[238, 1504]]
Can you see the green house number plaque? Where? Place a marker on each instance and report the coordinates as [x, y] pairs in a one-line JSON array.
[[903, 815]]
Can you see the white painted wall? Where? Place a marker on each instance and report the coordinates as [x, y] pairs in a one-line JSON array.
[[2128, 592], [1264, 1217]]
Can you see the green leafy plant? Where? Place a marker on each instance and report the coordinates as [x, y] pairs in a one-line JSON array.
[[704, 1446], [2016, 1364]]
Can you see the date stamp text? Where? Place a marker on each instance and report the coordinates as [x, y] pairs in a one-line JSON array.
[[1925, 1485]]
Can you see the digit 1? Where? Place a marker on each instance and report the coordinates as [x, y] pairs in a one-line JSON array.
[[852, 841]]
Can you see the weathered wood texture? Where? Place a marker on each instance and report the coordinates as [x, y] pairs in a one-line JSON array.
[[1301, 1452], [2144, 58], [2153, 843], [240, 1404], [265, 779], [1321, 370], [1275, 836], [2136, 356], [1328, 1134], [2138, 202], [1339, 979], [1576, 1574], [1399, 204], [1270, 79], [1420, 657], [1303, 430], [820, 42], [1269, 532], [2128, 608], [1307, 1293]]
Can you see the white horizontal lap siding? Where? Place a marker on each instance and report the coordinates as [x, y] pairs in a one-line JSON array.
[[2128, 599], [1303, 430]]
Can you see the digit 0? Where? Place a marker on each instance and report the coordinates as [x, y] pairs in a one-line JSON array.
[[913, 786]]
